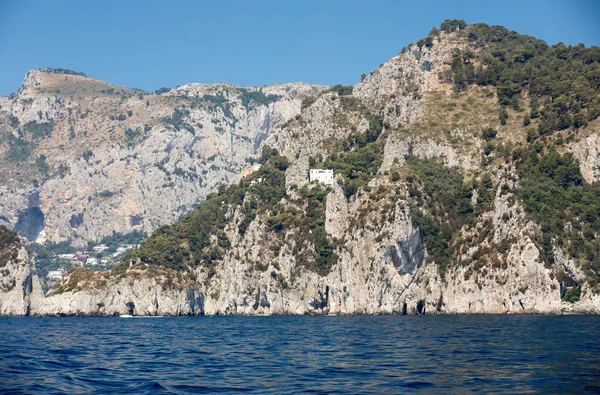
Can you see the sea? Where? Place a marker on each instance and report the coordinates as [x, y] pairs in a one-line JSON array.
[[300, 354]]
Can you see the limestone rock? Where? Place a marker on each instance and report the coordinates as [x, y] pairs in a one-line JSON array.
[[119, 161], [16, 285]]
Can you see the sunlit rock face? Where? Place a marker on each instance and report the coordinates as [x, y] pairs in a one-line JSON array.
[[121, 160]]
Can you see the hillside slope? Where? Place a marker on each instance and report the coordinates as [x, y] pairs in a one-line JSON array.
[[465, 182], [82, 158]]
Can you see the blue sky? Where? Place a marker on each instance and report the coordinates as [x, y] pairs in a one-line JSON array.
[[150, 44]]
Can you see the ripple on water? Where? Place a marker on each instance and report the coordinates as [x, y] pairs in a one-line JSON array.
[[386, 354]]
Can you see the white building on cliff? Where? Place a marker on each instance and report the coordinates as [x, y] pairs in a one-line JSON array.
[[323, 176]]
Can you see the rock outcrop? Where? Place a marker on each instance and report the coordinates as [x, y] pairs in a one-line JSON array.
[[139, 297], [20, 288]]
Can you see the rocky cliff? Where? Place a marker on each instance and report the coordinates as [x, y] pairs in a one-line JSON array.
[[460, 187], [82, 158], [20, 289]]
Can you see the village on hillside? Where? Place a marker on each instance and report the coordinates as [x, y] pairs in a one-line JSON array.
[[54, 261]]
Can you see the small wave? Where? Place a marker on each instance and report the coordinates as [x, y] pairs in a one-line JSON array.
[[418, 384], [384, 354]]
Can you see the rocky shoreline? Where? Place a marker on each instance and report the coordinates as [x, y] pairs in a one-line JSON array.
[[146, 296]]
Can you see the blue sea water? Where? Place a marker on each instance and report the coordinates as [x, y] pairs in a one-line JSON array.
[[342, 354]]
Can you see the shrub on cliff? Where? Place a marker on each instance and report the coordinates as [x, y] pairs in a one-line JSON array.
[[564, 205], [357, 157], [199, 238], [567, 78], [9, 245], [441, 206]]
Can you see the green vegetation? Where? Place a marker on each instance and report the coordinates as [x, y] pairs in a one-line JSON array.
[[441, 206], [341, 90], [448, 26], [14, 121], [572, 294], [19, 149], [257, 97], [200, 239], [105, 194], [117, 239], [562, 81], [358, 157], [425, 42], [132, 136], [46, 255], [556, 88], [39, 130], [88, 155], [488, 134], [63, 71], [192, 241], [308, 101], [567, 208], [451, 25], [305, 217], [217, 100], [312, 229], [162, 90], [42, 165], [176, 120], [9, 245]]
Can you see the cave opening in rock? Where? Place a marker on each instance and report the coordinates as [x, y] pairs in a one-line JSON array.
[[421, 307], [130, 308], [30, 223]]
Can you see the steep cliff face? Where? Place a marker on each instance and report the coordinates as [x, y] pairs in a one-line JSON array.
[[159, 292], [82, 158], [15, 285], [20, 289], [440, 204], [587, 151]]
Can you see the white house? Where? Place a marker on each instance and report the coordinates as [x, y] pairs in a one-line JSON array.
[[324, 176], [92, 261], [100, 248], [66, 257], [56, 275]]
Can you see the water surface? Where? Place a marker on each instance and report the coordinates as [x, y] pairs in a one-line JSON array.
[[354, 354]]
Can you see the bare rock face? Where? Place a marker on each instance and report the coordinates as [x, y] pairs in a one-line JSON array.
[[122, 160], [587, 153], [16, 283], [399, 84], [138, 298]]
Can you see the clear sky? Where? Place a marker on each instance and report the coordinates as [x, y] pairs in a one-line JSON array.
[[151, 44]]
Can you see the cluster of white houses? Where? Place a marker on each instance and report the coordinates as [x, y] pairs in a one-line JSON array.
[[85, 258]]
